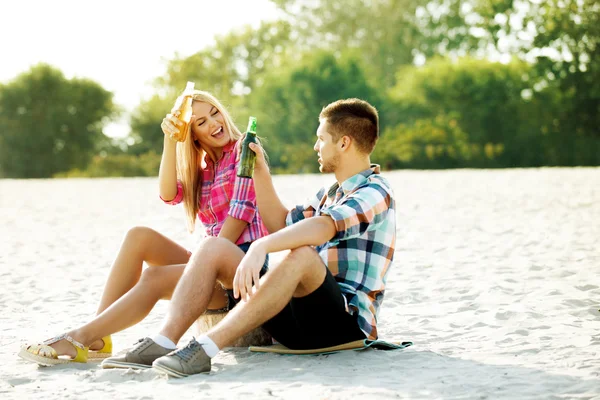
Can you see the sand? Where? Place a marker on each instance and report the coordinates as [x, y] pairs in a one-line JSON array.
[[495, 280]]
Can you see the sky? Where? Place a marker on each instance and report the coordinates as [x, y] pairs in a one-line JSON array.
[[123, 45]]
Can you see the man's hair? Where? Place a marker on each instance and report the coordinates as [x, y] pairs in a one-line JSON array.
[[355, 118]]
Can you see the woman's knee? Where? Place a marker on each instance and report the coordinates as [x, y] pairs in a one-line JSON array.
[[157, 280], [139, 240], [152, 276], [139, 234]]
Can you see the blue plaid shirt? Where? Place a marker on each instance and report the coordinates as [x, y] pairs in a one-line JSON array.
[[361, 252]]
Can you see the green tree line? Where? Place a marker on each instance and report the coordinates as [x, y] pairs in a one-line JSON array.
[[459, 84]]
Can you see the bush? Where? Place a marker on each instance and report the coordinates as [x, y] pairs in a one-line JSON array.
[[118, 165], [438, 142]]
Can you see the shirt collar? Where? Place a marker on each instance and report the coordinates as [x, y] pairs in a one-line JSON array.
[[354, 181], [228, 148]]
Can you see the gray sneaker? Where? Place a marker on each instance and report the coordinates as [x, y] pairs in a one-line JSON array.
[[184, 362], [140, 356]]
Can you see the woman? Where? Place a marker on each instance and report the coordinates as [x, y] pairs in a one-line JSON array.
[[201, 173]]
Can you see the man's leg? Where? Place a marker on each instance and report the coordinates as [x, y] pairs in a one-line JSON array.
[[214, 260], [300, 273]]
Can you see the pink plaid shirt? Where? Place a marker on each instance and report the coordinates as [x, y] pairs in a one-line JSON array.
[[225, 194]]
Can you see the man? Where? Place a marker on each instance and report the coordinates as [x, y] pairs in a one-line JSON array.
[[327, 289]]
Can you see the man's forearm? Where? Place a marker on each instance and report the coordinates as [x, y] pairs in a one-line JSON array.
[[309, 232], [271, 209]]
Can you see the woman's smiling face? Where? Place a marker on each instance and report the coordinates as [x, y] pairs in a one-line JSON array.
[[208, 126]]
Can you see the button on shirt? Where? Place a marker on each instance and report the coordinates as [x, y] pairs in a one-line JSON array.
[[225, 194], [362, 250]]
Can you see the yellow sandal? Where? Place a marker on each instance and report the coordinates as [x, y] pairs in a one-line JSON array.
[[43, 354], [104, 352]]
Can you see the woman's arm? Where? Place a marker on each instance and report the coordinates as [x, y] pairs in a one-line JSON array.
[[271, 209], [167, 174], [232, 228]]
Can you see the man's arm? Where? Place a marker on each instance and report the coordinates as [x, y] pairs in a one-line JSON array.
[[309, 232], [271, 209]]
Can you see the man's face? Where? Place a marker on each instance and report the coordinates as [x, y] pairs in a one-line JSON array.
[[329, 157]]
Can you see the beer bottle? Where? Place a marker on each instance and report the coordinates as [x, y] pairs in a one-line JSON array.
[[248, 157], [183, 104]]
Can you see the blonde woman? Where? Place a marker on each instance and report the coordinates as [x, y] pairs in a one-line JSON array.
[[199, 172]]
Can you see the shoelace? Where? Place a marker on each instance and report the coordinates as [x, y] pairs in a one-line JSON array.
[[189, 350], [137, 350]]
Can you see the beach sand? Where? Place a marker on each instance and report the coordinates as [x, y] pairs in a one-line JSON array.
[[495, 279]]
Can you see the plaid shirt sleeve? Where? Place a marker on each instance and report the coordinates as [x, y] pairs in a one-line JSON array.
[[306, 210], [178, 197], [243, 201], [361, 211]]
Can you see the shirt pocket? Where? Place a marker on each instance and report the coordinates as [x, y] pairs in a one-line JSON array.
[[204, 212], [222, 191]]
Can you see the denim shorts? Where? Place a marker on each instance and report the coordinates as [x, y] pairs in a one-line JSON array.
[[232, 301]]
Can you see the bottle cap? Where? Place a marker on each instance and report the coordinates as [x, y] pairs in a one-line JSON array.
[[189, 87], [251, 125]]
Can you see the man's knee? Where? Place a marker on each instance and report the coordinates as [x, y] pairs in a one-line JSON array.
[[217, 254], [303, 255], [309, 267], [304, 258], [214, 244]]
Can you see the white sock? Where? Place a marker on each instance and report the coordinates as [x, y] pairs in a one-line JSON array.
[[210, 348], [164, 342]]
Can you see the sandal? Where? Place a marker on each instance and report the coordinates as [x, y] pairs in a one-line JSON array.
[[104, 352], [43, 354]]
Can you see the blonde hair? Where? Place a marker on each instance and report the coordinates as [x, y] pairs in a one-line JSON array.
[[189, 159]]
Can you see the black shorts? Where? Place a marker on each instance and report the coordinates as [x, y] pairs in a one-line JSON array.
[[315, 321]]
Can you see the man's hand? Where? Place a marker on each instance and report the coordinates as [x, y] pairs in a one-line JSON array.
[[248, 272], [261, 162]]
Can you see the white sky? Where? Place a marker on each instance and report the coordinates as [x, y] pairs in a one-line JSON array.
[[122, 45]]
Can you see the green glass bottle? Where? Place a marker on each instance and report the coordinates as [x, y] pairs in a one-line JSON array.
[[248, 157]]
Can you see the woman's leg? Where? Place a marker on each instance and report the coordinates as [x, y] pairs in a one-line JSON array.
[[156, 283], [140, 245], [126, 301]]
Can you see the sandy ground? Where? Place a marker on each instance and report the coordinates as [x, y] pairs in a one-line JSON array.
[[496, 280]]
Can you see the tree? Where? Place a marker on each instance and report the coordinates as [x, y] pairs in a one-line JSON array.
[[485, 100], [145, 125], [50, 124], [386, 34], [289, 103], [231, 69], [561, 38]]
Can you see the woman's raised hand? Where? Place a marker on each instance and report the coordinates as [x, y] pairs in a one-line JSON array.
[[261, 162], [171, 125]]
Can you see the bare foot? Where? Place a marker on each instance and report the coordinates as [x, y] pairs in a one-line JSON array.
[[97, 345], [64, 348]]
